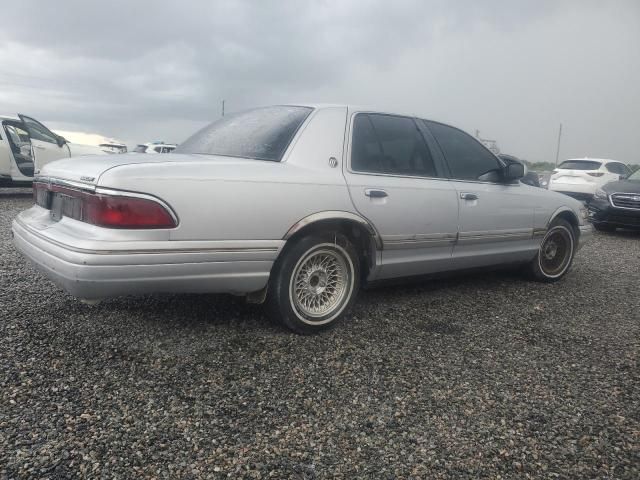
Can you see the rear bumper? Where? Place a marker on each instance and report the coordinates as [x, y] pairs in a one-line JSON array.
[[217, 267], [602, 212]]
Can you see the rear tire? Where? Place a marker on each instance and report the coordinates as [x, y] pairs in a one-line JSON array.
[[314, 283], [556, 252], [603, 227]]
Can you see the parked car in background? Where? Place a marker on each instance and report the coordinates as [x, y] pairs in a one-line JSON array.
[[113, 146], [298, 205], [26, 145], [581, 177], [529, 178], [155, 147], [617, 204], [543, 178]]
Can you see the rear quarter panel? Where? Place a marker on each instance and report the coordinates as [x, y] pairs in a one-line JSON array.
[[237, 199]]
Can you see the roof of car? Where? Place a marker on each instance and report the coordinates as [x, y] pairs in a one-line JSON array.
[[357, 108], [156, 144], [594, 159]]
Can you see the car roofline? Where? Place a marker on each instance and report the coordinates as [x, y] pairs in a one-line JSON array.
[[352, 108], [593, 159]]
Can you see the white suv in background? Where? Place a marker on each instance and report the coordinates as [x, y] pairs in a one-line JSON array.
[[581, 177], [156, 147]]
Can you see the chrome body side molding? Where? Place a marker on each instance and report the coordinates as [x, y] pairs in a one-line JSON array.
[[495, 235], [394, 242]]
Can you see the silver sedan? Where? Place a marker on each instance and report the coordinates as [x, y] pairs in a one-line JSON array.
[[298, 206]]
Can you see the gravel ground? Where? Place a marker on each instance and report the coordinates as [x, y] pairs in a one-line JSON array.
[[482, 376]]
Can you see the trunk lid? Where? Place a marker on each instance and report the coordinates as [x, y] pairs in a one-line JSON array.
[[572, 176], [89, 168]]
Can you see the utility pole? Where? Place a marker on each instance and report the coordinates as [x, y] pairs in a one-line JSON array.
[[558, 149], [223, 108]]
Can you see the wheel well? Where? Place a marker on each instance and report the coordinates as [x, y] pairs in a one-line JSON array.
[[358, 235], [571, 218]]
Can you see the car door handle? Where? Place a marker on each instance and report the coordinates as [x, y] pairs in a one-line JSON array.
[[468, 196], [374, 193], [39, 147]]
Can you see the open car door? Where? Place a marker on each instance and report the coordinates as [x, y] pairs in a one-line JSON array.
[[46, 145]]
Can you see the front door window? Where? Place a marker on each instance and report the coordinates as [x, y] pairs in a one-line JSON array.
[[468, 159]]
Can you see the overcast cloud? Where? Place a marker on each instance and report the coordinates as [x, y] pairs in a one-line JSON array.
[[148, 70]]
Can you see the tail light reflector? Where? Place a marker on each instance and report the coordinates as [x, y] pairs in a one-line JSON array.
[[104, 210], [125, 212]]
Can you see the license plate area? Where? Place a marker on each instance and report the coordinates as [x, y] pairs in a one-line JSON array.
[[65, 206], [43, 198], [571, 179]]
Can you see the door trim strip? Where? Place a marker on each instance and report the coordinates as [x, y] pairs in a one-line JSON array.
[[495, 236], [396, 242]]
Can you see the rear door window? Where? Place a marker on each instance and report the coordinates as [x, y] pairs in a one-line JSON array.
[[390, 144], [618, 168], [580, 165]]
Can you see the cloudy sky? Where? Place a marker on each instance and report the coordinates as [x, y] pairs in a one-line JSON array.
[[150, 70]]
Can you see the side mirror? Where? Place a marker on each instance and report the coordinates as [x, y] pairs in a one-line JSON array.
[[60, 141], [513, 171]]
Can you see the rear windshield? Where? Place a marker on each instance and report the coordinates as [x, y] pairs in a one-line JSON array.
[[580, 165], [261, 134]]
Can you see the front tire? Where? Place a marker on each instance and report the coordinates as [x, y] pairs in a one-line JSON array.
[[556, 252], [314, 283]]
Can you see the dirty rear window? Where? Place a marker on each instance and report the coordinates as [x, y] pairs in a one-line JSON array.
[[261, 133], [580, 165]]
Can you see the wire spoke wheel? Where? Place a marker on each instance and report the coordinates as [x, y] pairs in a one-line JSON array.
[[321, 284], [556, 251]]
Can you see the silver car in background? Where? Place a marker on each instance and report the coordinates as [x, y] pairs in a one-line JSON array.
[[296, 205]]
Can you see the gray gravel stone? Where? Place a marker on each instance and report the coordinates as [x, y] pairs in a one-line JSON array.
[[487, 375]]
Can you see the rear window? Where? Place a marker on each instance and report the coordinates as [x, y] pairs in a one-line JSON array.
[[261, 134], [618, 168], [580, 165]]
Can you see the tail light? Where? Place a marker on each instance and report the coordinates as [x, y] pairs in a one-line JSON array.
[[103, 210], [595, 174]]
